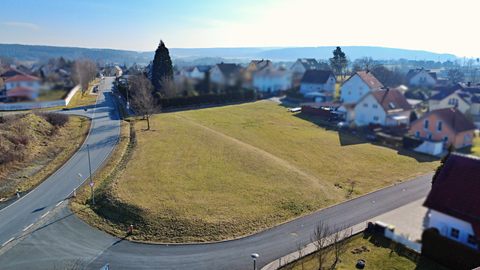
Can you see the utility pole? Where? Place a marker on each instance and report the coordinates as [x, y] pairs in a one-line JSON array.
[[90, 167]]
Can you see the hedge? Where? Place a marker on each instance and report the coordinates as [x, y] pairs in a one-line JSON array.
[[234, 96]]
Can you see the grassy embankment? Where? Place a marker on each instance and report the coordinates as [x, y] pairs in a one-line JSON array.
[[225, 172], [380, 256], [41, 149]]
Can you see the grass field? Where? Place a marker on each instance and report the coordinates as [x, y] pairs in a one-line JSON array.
[[379, 257], [221, 173], [474, 149]]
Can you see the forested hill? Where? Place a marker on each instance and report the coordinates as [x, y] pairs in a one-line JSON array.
[[31, 53]]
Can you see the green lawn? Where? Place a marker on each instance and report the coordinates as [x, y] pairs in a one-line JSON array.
[[225, 172], [48, 95], [379, 257]]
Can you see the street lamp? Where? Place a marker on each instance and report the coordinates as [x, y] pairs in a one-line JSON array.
[[254, 256], [90, 167]]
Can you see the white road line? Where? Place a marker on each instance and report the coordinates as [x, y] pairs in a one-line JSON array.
[[45, 214], [28, 227], [8, 241], [58, 204]]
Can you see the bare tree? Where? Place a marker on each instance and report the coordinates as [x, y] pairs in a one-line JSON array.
[[341, 241], [367, 63], [474, 76], [143, 102], [455, 76], [321, 239], [83, 72], [168, 89]]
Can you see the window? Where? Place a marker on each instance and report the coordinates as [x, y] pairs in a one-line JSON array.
[[453, 101], [365, 105], [454, 233], [445, 139], [375, 118], [392, 105], [375, 106], [471, 240], [417, 134], [429, 135], [425, 124], [439, 126], [469, 137]]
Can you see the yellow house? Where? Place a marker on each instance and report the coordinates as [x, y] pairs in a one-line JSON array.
[[257, 65], [450, 99]]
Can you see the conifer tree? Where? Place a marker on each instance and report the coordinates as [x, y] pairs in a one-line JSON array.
[[162, 68]]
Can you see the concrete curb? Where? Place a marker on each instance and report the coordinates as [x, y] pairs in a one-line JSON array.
[[308, 249]]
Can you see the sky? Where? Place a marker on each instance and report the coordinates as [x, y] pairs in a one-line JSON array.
[[437, 26]]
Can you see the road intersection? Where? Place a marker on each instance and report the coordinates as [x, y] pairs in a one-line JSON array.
[[58, 235]]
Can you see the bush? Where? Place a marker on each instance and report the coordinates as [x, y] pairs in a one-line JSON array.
[[353, 126], [239, 95], [55, 119]]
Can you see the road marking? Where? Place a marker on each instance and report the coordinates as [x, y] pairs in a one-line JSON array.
[[11, 239], [28, 227], [58, 204], [45, 214]]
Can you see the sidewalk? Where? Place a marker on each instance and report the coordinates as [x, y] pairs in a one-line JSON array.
[[409, 220]]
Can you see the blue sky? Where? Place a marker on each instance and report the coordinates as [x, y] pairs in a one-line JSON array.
[[437, 26]]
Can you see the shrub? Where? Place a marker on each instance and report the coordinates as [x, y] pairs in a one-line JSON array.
[[353, 126], [55, 119]]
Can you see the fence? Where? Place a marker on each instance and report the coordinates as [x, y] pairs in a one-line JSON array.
[[403, 240], [39, 105]]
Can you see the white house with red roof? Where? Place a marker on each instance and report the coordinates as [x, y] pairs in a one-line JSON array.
[[454, 200], [358, 85], [22, 87]]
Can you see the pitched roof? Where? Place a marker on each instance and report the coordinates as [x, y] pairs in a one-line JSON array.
[[412, 72], [228, 69], [317, 76], [465, 96], [455, 119], [262, 64], [204, 68], [456, 190], [21, 78], [10, 73], [368, 78], [391, 100], [309, 63], [118, 68]]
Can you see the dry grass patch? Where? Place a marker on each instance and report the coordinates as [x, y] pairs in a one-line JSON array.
[[46, 153], [379, 257], [225, 172]]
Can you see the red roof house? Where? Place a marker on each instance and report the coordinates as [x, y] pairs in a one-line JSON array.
[[455, 200]]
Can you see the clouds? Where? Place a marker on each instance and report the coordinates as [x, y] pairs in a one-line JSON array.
[[22, 25]]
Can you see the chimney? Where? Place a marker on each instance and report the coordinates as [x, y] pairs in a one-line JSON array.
[[468, 84]]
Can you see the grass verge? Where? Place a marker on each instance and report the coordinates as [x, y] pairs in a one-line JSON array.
[[225, 172], [384, 254], [48, 156]]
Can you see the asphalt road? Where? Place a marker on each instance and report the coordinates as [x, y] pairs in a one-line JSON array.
[[64, 237], [23, 215]]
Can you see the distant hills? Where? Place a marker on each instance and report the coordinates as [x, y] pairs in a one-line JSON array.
[[32, 53]]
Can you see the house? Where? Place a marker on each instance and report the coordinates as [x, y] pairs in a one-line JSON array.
[[226, 74], [385, 107], [271, 81], [318, 80], [358, 85], [302, 65], [116, 71], [186, 71], [319, 96], [21, 88], [255, 66], [454, 200], [421, 77], [447, 125], [198, 72], [451, 98]]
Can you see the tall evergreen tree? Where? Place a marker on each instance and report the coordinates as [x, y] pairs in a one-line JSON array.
[[338, 62], [162, 68]]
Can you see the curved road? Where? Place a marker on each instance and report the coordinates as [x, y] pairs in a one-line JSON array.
[[64, 237]]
